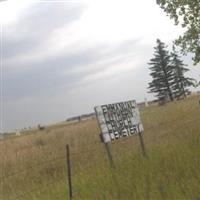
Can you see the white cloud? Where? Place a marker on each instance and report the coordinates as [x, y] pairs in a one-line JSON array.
[[111, 71], [104, 23], [11, 10], [115, 20]]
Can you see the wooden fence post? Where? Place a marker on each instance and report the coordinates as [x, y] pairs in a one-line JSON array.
[[69, 172]]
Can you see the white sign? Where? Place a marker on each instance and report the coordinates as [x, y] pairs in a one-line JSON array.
[[118, 120]]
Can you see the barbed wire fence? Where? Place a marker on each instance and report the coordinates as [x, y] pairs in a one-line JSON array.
[[41, 178], [30, 182]]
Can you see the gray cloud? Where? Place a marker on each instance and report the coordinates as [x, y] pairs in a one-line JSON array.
[[36, 25], [39, 90], [55, 72], [42, 84]]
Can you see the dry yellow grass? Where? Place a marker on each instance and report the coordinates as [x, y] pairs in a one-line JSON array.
[[33, 165]]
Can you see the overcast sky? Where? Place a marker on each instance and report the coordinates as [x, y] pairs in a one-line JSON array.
[[61, 58]]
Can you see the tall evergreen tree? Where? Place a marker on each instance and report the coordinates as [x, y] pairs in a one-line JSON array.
[[180, 82], [161, 72]]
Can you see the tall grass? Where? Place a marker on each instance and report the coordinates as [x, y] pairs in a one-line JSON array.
[[33, 166]]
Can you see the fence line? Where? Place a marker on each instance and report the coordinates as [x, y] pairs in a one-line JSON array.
[[35, 166], [81, 153], [75, 153], [46, 162]]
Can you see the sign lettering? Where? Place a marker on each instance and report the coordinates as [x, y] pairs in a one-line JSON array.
[[118, 120]]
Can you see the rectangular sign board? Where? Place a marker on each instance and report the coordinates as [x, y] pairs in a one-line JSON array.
[[118, 120]]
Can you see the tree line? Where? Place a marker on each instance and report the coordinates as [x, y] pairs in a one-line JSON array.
[[168, 74]]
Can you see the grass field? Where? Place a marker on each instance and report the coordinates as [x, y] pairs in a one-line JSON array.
[[33, 166]]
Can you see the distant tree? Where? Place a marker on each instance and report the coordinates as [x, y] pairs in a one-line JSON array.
[[180, 82], [186, 13], [162, 73]]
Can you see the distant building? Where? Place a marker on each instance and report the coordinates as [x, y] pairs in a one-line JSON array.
[[81, 117]]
